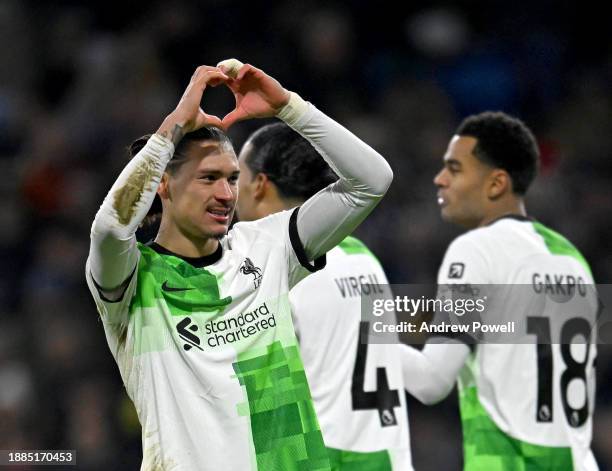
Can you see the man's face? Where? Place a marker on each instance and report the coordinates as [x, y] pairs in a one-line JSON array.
[[246, 203], [202, 192], [462, 184]]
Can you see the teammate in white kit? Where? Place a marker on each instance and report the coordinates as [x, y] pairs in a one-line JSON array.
[[527, 405], [357, 388], [199, 321]]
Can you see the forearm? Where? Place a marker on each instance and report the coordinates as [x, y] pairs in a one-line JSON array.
[[113, 253], [329, 216], [430, 374]]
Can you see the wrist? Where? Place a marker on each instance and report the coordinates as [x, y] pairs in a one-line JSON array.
[[293, 110], [285, 101], [172, 128]]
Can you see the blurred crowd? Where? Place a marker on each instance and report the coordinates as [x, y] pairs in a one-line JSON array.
[[79, 83]]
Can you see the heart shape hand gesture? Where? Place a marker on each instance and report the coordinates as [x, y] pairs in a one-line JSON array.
[[257, 96]]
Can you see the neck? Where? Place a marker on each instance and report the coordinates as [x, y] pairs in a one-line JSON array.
[[172, 238], [514, 207]]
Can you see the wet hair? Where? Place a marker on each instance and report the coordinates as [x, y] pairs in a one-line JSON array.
[[289, 161], [178, 159], [504, 142]]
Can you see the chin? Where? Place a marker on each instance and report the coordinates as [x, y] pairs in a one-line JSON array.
[[219, 233], [446, 216], [216, 232], [453, 219]]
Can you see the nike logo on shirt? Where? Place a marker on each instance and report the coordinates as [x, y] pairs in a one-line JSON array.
[[167, 288]]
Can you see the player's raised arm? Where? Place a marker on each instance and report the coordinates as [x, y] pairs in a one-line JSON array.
[[329, 216], [113, 254], [333, 213]]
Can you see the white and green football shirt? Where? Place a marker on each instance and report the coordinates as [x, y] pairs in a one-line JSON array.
[[206, 347], [528, 405], [207, 351], [357, 388]]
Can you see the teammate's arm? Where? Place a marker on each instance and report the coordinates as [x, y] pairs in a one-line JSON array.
[[329, 216], [430, 374], [326, 218], [112, 254]]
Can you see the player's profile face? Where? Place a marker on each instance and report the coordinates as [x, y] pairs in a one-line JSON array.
[[202, 193], [461, 183], [246, 202]]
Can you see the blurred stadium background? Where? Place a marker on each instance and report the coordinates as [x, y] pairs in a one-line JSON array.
[[79, 83]]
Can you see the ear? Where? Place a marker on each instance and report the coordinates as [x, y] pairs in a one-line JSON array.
[[261, 186], [499, 184], [163, 190]]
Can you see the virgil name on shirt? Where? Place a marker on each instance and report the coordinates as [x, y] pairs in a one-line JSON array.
[[355, 286]]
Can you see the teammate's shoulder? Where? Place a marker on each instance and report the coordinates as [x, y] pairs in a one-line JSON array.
[[351, 245], [491, 235], [554, 241], [557, 244], [468, 259], [474, 239], [474, 250]]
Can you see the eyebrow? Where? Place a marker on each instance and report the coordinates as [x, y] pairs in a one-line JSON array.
[[452, 163], [215, 172]]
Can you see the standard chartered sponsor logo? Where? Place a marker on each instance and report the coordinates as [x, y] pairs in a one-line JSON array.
[[233, 329]]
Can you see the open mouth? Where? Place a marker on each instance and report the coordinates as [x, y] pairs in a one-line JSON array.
[[221, 215]]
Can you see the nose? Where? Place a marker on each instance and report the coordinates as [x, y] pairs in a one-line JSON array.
[[223, 190], [440, 180]]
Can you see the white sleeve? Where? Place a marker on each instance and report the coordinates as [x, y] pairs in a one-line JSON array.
[[430, 374], [328, 217], [465, 262], [112, 253]]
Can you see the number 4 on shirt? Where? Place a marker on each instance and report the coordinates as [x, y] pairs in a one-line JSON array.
[[382, 399]]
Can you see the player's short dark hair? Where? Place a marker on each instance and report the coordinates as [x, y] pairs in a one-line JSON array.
[[179, 158], [504, 142], [289, 161], [207, 133]]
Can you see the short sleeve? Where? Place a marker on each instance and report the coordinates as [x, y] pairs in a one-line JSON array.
[[463, 275], [464, 263]]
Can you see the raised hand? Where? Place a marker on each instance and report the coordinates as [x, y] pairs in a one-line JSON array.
[[257, 94], [188, 116]]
